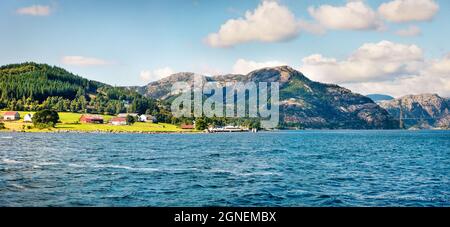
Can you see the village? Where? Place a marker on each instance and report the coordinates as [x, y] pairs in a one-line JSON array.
[[120, 119], [123, 122]]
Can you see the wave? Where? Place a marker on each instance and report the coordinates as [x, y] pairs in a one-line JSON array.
[[37, 165], [10, 161], [140, 169], [102, 166], [75, 165], [112, 166], [18, 186], [262, 173], [47, 163], [6, 137]]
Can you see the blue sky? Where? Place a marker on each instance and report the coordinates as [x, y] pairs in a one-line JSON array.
[[134, 42]]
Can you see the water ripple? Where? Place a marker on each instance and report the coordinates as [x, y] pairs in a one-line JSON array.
[[299, 168]]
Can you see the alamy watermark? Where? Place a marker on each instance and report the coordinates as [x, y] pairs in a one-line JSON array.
[[228, 99]]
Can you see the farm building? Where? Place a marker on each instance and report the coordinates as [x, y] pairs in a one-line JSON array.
[[28, 118], [119, 121], [11, 116], [91, 119], [147, 118], [187, 126]]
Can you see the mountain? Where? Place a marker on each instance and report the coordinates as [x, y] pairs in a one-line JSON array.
[[161, 89], [304, 103], [420, 111], [31, 86], [380, 97]]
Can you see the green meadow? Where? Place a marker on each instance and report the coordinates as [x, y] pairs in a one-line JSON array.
[[70, 122]]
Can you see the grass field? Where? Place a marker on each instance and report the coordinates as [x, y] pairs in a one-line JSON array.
[[69, 122]]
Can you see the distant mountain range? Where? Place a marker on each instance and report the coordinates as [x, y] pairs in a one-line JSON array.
[[380, 97], [304, 103], [420, 111]]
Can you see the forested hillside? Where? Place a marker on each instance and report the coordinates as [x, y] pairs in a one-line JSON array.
[[31, 87]]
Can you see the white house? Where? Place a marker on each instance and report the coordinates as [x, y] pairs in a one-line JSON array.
[[28, 118], [147, 118], [11, 116]]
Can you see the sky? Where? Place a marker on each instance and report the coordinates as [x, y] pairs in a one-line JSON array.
[[394, 47]]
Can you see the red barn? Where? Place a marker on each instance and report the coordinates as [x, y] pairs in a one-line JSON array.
[[11, 116], [187, 126], [91, 119]]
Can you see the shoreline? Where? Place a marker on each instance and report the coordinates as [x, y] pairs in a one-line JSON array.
[[100, 132], [197, 132], [69, 123]]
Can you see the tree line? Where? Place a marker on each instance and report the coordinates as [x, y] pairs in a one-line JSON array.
[[34, 87]]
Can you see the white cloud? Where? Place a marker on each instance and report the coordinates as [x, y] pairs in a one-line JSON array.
[[35, 10], [409, 31], [355, 15], [418, 84], [207, 70], [409, 10], [433, 77], [440, 66], [269, 22], [370, 62], [243, 66], [83, 61], [311, 27], [387, 51], [384, 67], [424, 82], [148, 76]]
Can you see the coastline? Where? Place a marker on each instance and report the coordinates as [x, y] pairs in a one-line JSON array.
[[100, 132], [56, 131], [69, 122]]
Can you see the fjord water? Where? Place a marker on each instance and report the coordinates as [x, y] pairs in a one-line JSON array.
[[288, 168]]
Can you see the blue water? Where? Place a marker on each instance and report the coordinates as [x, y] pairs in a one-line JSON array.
[[295, 168]]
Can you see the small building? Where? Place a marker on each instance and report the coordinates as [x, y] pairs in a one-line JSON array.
[[187, 126], [119, 121], [11, 116], [91, 119], [147, 118], [228, 128], [28, 118], [128, 114]]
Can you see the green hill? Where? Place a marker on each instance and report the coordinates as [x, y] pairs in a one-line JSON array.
[[32, 86]]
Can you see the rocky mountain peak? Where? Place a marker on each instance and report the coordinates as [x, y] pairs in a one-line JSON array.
[[281, 74], [179, 77], [417, 109], [429, 104]]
